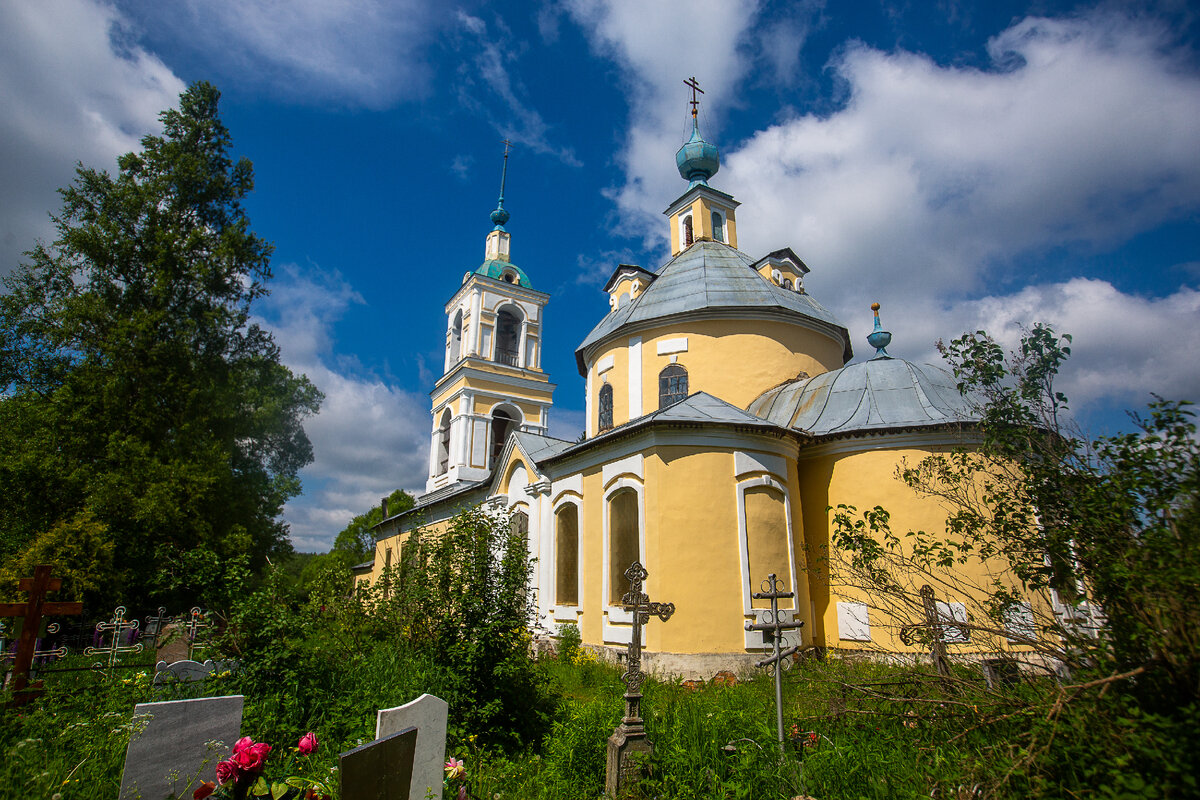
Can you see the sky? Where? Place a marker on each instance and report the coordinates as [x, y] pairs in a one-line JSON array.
[[969, 165]]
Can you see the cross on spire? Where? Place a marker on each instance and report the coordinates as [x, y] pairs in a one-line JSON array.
[[695, 87]]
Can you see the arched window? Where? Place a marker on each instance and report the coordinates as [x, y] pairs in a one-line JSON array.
[[623, 547], [508, 338], [502, 423], [672, 385], [456, 339], [687, 231], [767, 538], [444, 443], [606, 407], [566, 555], [718, 223]]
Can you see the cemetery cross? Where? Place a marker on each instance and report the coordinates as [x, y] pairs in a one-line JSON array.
[[773, 630], [197, 619], [630, 735], [118, 626], [32, 611], [934, 624]]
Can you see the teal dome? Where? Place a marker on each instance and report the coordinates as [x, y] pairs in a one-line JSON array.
[[494, 268], [697, 160]]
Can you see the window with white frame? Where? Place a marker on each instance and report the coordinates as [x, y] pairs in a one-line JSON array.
[[718, 226], [566, 555], [623, 541]]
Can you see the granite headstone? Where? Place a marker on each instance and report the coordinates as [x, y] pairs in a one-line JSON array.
[[428, 715], [171, 750], [380, 770]]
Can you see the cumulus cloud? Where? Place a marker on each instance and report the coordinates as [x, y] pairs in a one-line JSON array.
[[73, 90], [369, 438], [368, 53], [932, 184]]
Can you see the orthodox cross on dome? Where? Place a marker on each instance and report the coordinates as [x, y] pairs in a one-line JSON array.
[[500, 215], [32, 611], [628, 746], [695, 87]]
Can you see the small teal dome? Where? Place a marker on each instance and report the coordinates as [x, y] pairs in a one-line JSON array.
[[500, 215], [698, 160]]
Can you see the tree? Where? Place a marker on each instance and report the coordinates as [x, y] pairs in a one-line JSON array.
[[135, 387], [357, 540]]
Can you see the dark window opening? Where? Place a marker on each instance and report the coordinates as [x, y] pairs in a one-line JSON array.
[[444, 444], [672, 385], [687, 231], [502, 423], [508, 338], [623, 545], [606, 407], [566, 551], [718, 227]]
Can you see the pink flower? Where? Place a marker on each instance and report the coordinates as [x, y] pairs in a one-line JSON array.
[[250, 756], [308, 744], [227, 772], [455, 769]]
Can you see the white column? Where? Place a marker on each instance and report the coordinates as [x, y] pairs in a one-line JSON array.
[[635, 377], [587, 405], [476, 322], [523, 358]]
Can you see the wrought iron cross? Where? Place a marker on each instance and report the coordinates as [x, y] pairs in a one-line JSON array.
[[32, 611], [154, 626], [695, 87], [773, 630], [118, 625], [197, 619], [636, 601], [936, 627]]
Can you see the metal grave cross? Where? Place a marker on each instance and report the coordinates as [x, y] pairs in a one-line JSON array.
[[773, 630], [32, 612], [630, 736], [154, 626], [197, 619], [118, 625], [935, 624]]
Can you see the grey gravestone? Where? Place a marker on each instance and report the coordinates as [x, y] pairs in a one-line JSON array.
[[169, 752], [428, 715], [182, 671], [381, 770], [172, 643]]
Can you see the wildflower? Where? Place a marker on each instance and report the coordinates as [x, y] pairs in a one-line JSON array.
[[455, 768], [308, 744]]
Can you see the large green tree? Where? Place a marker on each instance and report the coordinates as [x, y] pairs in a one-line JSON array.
[[138, 397]]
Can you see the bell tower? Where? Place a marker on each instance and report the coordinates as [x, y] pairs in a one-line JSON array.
[[492, 383]]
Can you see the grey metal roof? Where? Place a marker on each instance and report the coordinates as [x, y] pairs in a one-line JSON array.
[[880, 394], [699, 408], [538, 447], [708, 276]]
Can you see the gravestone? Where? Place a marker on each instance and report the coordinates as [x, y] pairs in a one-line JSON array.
[[428, 715], [183, 671], [169, 752], [380, 770], [171, 643]]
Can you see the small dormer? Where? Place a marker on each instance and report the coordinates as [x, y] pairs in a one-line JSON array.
[[702, 214], [627, 283], [783, 268]]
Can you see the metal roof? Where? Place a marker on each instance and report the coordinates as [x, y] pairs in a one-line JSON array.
[[708, 276], [880, 394]]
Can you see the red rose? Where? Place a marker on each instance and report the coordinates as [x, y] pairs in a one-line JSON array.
[[242, 744], [227, 772], [252, 757], [308, 744]]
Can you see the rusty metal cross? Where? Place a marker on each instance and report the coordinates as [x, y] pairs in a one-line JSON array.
[[695, 87], [773, 631], [935, 624], [636, 601], [32, 612]]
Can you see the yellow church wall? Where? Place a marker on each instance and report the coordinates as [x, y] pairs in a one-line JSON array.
[[733, 359], [701, 210], [865, 479]]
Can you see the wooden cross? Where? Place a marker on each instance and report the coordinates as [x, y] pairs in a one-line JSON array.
[[118, 625], [695, 87], [773, 632], [32, 611], [936, 627]]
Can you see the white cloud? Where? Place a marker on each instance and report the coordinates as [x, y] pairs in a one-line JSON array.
[[368, 53], [70, 94], [932, 182], [369, 437], [494, 53]]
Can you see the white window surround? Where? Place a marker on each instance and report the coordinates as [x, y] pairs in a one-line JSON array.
[[633, 465], [615, 614], [635, 377], [1019, 622], [666, 347], [750, 583], [950, 613], [566, 613], [854, 622], [747, 463], [604, 364]]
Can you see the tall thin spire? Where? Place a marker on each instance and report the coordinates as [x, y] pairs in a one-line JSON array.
[[500, 215]]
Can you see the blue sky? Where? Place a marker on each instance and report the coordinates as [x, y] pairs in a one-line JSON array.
[[967, 164]]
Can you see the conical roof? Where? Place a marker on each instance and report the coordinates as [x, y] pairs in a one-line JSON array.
[[709, 277]]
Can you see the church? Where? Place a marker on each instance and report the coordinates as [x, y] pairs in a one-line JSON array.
[[725, 416]]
